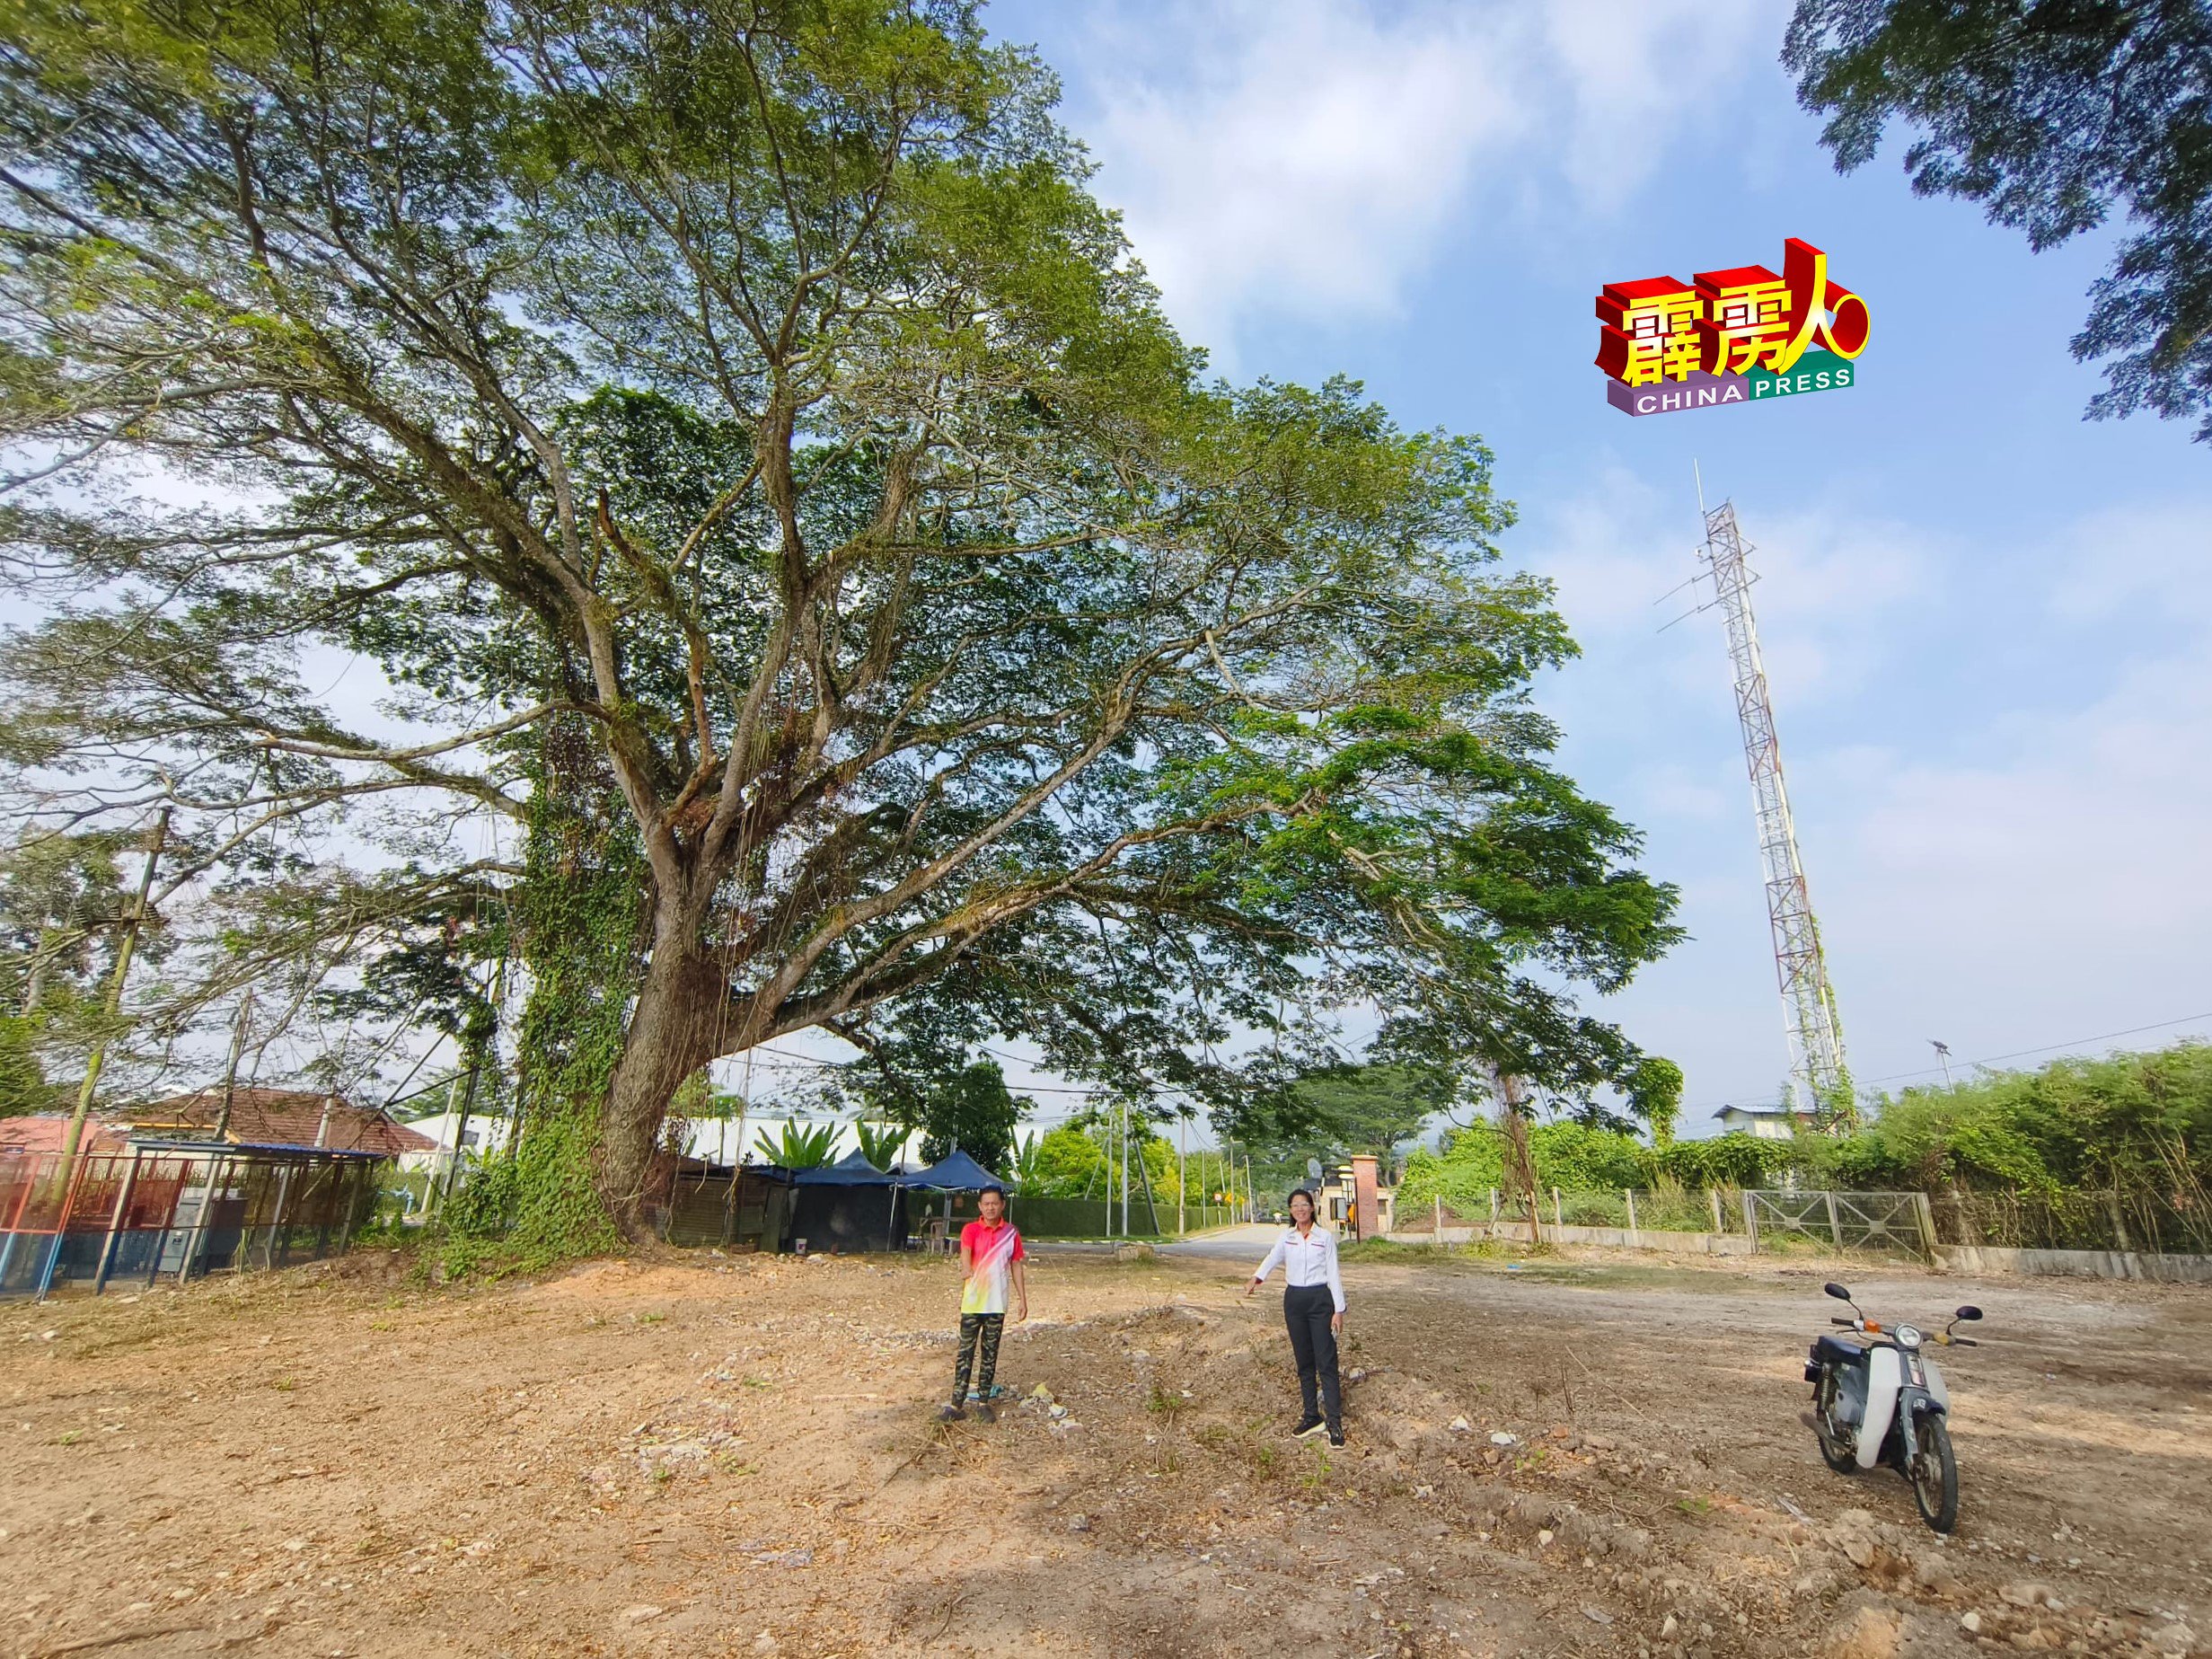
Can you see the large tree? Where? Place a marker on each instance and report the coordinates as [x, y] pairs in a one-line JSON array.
[[2056, 114], [758, 470]]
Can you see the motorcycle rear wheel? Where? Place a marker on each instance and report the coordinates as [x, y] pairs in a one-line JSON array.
[[1935, 1475], [1839, 1455]]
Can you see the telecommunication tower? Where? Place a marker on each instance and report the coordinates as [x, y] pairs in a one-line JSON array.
[[1823, 1083]]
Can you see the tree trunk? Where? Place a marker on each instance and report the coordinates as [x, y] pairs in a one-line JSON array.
[[1520, 1166], [672, 1032]]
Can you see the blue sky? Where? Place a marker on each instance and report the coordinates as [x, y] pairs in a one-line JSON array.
[[1988, 623]]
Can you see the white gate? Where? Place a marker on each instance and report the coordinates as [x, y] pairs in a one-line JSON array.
[[1843, 1221]]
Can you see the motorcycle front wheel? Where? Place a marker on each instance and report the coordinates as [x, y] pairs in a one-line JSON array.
[[1935, 1475]]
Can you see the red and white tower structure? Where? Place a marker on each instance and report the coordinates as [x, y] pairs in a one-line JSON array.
[[1817, 1068]]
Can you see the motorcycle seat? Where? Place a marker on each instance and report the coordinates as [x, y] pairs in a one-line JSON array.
[[1838, 1351]]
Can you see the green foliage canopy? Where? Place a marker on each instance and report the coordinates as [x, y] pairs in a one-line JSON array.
[[1577, 1157], [2132, 1122], [973, 1111], [1370, 1109], [2056, 114], [2133, 1125], [755, 389]]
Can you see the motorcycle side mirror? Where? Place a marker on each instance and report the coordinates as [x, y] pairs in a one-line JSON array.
[[1970, 1312], [1836, 1290]]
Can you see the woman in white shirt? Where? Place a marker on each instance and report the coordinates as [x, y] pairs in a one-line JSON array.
[[1313, 1307]]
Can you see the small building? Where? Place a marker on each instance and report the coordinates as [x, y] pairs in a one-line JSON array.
[[736, 1207], [1355, 1200], [1768, 1123], [154, 1190]]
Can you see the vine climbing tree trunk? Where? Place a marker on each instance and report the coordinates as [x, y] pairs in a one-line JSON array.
[[674, 1031], [1520, 1165]]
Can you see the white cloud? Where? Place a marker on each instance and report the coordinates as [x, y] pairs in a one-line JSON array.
[[2052, 891], [1305, 157], [1622, 554]]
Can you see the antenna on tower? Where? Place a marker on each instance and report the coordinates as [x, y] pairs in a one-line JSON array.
[[1817, 1068]]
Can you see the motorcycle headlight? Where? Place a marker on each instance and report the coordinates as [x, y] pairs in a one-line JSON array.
[[1908, 1336]]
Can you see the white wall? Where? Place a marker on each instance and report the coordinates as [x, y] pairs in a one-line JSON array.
[[486, 1135], [715, 1140]]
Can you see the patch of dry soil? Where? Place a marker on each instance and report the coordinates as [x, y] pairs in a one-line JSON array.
[[707, 1456]]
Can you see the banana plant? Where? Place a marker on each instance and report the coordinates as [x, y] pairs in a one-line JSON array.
[[880, 1143], [1026, 1168], [800, 1147]]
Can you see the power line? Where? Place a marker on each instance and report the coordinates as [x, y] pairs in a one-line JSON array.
[[2020, 1054]]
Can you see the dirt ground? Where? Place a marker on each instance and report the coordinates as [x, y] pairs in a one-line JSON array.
[[706, 1456]]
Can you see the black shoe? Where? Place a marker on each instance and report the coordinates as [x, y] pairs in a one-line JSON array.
[[1336, 1440], [951, 1414], [1306, 1428], [985, 1410]]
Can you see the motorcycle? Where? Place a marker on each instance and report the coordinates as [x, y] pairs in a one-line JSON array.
[[1880, 1398]]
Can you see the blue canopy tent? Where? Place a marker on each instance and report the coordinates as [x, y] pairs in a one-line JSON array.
[[850, 1170], [956, 1172], [848, 1206]]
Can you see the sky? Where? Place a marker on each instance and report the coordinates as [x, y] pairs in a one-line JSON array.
[[1988, 623]]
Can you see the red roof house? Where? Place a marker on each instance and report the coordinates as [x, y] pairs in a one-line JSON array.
[[48, 1131], [280, 1117]]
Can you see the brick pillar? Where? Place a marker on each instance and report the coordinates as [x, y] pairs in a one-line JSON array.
[[1365, 1187]]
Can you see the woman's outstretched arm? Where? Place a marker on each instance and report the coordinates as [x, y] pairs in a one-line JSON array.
[[1274, 1260]]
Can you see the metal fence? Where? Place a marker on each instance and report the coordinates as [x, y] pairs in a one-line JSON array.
[[1782, 1218], [175, 1208], [1763, 1218], [1843, 1221], [1675, 1209]]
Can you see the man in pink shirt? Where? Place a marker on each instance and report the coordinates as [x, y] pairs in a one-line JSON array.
[[990, 1261]]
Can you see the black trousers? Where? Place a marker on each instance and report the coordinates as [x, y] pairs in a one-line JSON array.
[[989, 1328], [1306, 1309]]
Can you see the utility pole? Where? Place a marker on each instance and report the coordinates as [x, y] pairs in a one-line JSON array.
[[1182, 1140], [112, 1004], [1943, 1053], [1152, 1199], [1808, 1003], [1124, 1137]]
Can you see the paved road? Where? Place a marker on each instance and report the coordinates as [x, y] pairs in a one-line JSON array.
[[1245, 1244]]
